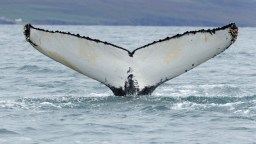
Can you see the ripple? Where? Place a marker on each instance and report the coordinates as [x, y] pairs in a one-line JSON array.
[[37, 69], [155, 108], [200, 90], [6, 131], [236, 105]]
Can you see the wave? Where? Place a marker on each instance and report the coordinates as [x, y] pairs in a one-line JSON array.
[[37, 69], [240, 105], [6, 131], [222, 90]]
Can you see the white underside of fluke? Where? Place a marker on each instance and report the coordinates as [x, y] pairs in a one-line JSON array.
[[146, 67]]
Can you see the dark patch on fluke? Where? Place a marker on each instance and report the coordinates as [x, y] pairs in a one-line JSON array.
[[129, 70], [233, 32], [148, 90], [27, 33], [117, 91], [133, 89], [131, 86]]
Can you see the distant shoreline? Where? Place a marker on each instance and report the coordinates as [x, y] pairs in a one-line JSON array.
[[122, 25], [199, 13]]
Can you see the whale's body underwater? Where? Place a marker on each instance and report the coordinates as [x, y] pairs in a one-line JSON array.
[[137, 72]]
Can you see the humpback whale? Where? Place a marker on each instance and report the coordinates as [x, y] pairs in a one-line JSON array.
[[137, 72]]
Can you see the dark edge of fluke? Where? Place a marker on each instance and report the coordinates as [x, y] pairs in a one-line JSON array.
[[233, 32], [27, 34]]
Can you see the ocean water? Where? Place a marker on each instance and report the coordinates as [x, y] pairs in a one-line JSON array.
[[42, 101]]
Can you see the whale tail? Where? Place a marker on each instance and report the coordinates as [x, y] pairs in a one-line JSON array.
[[137, 72]]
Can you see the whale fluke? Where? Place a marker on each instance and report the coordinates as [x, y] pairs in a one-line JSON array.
[[137, 72]]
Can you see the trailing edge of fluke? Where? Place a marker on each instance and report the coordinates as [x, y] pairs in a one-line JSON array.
[[137, 72]]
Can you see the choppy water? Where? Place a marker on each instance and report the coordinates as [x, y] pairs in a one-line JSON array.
[[42, 101]]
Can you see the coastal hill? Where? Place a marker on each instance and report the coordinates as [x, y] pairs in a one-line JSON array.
[[128, 12]]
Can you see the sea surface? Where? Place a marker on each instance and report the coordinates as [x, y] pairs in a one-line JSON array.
[[42, 101]]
